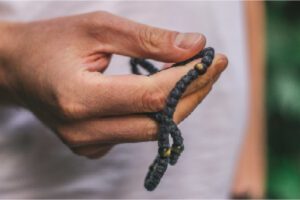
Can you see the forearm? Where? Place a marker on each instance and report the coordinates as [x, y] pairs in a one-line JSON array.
[[255, 144], [250, 176]]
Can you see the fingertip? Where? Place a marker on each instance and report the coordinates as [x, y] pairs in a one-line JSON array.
[[221, 61], [188, 45], [201, 44]]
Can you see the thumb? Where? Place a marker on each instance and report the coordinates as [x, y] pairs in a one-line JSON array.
[[122, 36]]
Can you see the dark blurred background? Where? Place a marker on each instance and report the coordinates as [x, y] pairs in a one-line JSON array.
[[283, 99]]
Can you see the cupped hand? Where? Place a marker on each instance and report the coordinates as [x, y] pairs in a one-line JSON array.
[[55, 68]]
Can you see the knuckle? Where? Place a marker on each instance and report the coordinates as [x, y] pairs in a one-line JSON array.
[[208, 77], [201, 95], [149, 39], [151, 131], [70, 109], [200, 83], [99, 14], [70, 139], [70, 136], [96, 20], [153, 100]]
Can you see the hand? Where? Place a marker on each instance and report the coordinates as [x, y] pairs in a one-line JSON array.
[[55, 69]]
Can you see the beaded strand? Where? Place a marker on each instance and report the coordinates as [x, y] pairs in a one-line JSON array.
[[167, 127]]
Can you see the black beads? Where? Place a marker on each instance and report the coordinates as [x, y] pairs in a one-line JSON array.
[[176, 151], [167, 127], [156, 172], [180, 85], [206, 60], [186, 79], [193, 74], [209, 51], [134, 62], [172, 102], [175, 93]]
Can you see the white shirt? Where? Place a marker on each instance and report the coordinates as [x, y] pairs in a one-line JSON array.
[[35, 163]]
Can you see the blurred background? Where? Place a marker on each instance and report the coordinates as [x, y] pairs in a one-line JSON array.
[[283, 99]]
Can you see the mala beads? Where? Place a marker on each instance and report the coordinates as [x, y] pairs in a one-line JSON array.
[[170, 154]]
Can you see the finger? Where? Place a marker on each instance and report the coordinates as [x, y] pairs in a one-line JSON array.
[[124, 129], [122, 36], [193, 100], [113, 130], [97, 62], [124, 94], [217, 67], [189, 103]]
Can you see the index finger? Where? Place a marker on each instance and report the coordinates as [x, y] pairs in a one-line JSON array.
[[125, 94]]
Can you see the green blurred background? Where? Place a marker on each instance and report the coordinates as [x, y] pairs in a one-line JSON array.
[[283, 99]]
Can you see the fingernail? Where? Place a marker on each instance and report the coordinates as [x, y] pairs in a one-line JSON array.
[[188, 40]]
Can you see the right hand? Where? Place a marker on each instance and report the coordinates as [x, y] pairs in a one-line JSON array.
[[54, 68]]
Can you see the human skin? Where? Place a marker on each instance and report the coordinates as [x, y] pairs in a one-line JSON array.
[[55, 69], [250, 175]]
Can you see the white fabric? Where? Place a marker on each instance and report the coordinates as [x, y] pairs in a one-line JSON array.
[[35, 164]]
